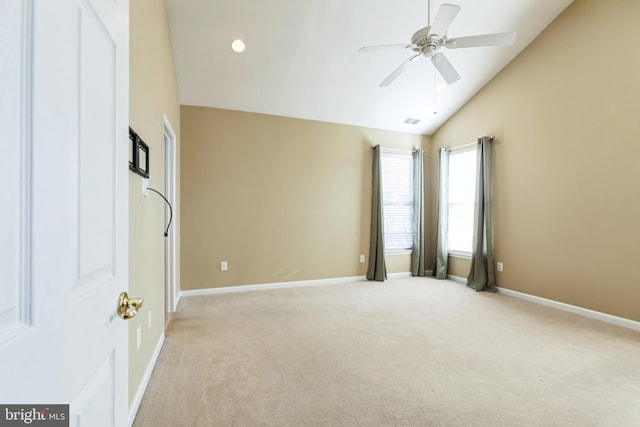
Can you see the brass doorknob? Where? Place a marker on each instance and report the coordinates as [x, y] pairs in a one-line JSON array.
[[128, 307]]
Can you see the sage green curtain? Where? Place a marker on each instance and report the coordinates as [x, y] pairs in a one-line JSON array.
[[442, 235], [481, 276], [377, 269], [417, 261]]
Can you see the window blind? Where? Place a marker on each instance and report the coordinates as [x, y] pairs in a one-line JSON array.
[[397, 197]]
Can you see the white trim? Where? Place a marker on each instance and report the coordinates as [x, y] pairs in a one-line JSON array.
[[284, 285], [267, 286], [135, 404], [176, 301], [399, 275], [608, 318], [457, 279], [460, 254], [169, 149], [585, 312], [166, 126]]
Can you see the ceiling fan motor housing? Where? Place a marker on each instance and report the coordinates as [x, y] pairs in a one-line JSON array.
[[425, 43]]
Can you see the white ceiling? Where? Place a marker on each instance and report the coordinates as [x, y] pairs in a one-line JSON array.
[[301, 58]]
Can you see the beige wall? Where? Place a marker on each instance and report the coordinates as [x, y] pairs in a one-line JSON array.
[[458, 267], [279, 199], [566, 176], [153, 92]]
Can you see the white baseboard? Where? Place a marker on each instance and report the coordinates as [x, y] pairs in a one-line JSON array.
[[266, 286], [283, 285], [398, 275], [608, 318], [176, 301], [135, 405], [457, 279]]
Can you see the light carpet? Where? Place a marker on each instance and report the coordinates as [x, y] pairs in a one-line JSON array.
[[407, 352]]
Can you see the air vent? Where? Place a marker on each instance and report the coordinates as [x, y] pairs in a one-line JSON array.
[[411, 121]]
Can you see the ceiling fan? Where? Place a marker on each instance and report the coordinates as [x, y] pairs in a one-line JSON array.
[[429, 40]]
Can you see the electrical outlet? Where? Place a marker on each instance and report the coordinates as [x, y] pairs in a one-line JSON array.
[[499, 266], [139, 336], [361, 259], [224, 266]]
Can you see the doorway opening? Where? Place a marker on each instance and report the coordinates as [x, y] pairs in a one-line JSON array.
[[170, 282]]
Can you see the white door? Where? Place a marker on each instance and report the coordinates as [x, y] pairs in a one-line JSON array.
[[63, 218]]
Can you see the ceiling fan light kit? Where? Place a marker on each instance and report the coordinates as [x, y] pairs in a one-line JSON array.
[[429, 40]]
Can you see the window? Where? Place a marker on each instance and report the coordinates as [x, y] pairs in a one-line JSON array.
[[397, 197], [462, 189]]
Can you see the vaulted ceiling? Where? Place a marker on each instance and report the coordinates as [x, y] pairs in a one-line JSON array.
[[301, 58]]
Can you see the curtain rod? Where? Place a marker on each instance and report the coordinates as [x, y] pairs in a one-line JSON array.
[[460, 147]]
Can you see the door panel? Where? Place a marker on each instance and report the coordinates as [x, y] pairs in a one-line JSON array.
[[64, 228], [89, 409], [97, 149]]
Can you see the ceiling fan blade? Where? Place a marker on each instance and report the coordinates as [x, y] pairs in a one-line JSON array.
[[383, 47], [394, 75], [443, 19], [444, 67], [500, 39]]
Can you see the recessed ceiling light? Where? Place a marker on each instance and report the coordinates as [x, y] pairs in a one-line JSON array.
[[237, 46], [441, 87]]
